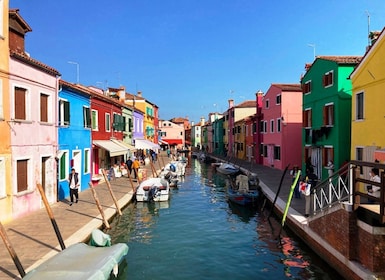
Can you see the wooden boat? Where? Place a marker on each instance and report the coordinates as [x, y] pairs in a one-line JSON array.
[[227, 168], [153, 189], [240, 193], [81, 261]]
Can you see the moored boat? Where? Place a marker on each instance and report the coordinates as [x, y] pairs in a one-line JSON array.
[[240, 192], [153, 189], [227, 168]]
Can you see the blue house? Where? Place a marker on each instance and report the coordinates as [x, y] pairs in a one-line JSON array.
[[74, 136]]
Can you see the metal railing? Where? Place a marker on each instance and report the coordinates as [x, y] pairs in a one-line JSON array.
[[347, 185]]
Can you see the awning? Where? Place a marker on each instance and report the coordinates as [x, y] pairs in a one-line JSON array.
[[379, 155], [145, 144], [113, 148], [174, 141], [162, 142], [124, 144]]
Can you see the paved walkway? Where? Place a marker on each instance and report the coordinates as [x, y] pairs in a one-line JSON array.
[[33, 237]]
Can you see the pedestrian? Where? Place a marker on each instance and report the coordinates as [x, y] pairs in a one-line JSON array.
[[372, 189], [330, 168], [129, 166], [135, 167], [293, 173], [306, 187], [73, 181]]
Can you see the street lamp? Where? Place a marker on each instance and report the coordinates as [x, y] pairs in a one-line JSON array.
[[77, 70], [312, 46]]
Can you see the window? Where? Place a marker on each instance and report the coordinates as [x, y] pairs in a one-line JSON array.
[[20, 103], [360, 106], [307, 118], [328, 155], [327, 79], [63, 166], [264, 150], [272, 126], [360, 157], [87, 160], [43, 107], [265, 126], [3, 192], [306, 87], [277, 152], [22, 175], [328, 115], [130, 126], [278, 99], [94, 120], [254, 127], [261, 149], [279, 125], [64, 112], [267, 104], [86, 117], [108, 122]]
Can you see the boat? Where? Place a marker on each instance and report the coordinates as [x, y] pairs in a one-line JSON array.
[[240, 193], [81, 261], [227, 168], [153, 189]]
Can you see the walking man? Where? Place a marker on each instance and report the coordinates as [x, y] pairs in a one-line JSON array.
[[73, 180]]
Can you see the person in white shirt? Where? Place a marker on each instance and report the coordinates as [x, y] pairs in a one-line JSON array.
[[73, 181], [374, 177]]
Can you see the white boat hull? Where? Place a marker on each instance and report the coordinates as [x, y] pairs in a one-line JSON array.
[[153, 189]]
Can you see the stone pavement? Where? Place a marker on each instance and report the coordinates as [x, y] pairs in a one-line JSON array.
[[33, 237]]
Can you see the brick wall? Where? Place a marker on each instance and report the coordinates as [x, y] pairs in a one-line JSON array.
[[371, 250]]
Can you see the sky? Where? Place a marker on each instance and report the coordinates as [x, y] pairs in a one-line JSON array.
[[190, 57]]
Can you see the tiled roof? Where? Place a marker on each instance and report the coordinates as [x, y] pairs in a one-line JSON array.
[[342, 59], [247, 104], [33, 62], [288, 87]]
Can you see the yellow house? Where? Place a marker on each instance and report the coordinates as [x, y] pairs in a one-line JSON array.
[[5, 136], [240, 139], [368, 110]]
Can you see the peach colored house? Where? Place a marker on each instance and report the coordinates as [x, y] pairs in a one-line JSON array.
[[33, 90], [5, 133], [282, 125]]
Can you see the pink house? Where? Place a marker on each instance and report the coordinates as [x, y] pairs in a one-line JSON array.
[[282, 125], [33, 90]]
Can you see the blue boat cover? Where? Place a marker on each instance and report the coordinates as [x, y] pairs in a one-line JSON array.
[[81, 261]]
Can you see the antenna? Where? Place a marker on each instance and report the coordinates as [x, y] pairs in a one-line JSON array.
[[313, 46], [368, 15]]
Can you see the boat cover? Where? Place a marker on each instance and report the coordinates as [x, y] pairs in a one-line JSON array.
[[80, 261]]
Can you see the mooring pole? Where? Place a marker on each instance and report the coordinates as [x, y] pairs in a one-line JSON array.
[[50, 214], [99, 205], [278, 191], [111, 193], [11, 251]]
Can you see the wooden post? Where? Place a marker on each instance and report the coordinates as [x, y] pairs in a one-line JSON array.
[[112, 194], [154, 174], [160, 166], [11, 251], [50, 214], [99, 206]]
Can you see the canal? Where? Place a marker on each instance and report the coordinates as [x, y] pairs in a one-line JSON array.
[[198, 234]]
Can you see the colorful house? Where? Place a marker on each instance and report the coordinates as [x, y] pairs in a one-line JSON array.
[[282, 116], [172, 134], [368, 80], [33, 90], [240, 138], [218, 131], [327, 103], [5, 133], [257, 132], [74, 136], [233, 114]]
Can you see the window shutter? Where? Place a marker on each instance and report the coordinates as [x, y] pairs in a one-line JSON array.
[[66, 113]]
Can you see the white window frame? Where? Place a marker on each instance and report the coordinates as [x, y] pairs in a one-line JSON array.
[[360, 106], [308, 82], [107, 116], [88, 160], [279, 125], [95, 127], [272, 126], [30, 187], [49, 106]]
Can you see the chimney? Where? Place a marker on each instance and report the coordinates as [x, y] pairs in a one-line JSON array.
[[202, 121], [231, 103], [192, 123], [122, 93], [139, 94]]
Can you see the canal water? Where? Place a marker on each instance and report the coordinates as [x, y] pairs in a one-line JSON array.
[[198, 234]]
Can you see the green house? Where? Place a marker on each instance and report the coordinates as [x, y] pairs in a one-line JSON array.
[[327, 92]]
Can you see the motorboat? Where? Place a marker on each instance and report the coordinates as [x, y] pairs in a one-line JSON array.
[[227, 168], [153, 189], [240, 193]]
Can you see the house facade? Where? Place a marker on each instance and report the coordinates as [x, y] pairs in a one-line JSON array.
[[172, 134], [5, 132], [282, 115], [33, 97], [368, 81], [74, 136], [327, 101]]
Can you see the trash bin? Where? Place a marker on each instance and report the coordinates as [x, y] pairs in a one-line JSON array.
[[142, 174]]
